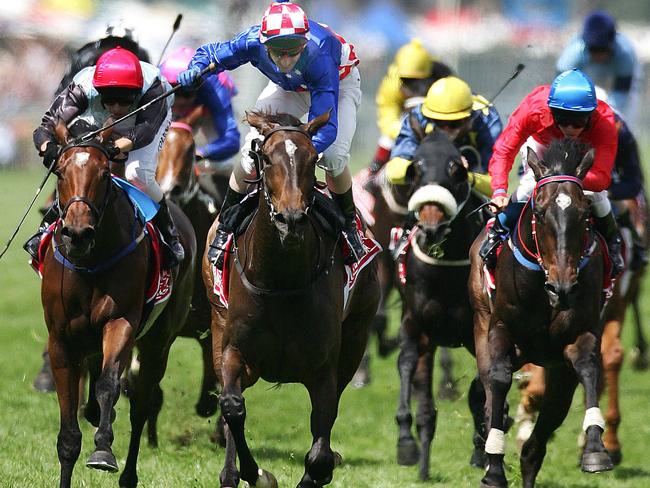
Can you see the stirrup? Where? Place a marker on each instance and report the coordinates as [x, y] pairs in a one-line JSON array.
[[357, 249], [32, 244], [217, 249]]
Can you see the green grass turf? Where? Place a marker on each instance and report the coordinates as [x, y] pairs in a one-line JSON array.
[[278, 419]]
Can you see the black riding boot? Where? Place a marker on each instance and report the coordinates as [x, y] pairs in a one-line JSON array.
[[225, 228], [609, 230], [163, 220], [409, 222], [495, 236], [32, 244], [346, 204]]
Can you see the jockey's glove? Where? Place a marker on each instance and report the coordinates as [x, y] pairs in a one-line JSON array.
[[50, 154], [188, 77], [111, 149]]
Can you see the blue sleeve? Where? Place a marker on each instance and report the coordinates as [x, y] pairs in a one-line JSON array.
[[628, 180], [406, 143], [487, 127], [216, 99], [625, 67], [573, 56], [322, 79], [226, 55]]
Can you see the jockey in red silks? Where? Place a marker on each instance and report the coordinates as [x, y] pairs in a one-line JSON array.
[[566, 108]]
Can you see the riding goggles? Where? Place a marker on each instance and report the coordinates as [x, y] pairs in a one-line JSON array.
[[566, 118], [280, 52], [451, 124], [119, 101]]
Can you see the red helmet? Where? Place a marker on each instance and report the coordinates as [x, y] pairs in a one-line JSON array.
[[283, 20], [118, 68]]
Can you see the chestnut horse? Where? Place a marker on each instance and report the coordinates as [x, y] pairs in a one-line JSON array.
[[546, 311], [93, 294], [435, 302], [287, 321], [177, 177]]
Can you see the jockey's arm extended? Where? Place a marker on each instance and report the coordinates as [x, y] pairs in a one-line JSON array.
[[71, 102], [218, 105]]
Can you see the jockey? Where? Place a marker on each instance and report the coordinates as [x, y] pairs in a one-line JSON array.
[[118, 33], [608, 57], [470, 121], [312, 70], [117, 85], [214, 94], [406, 83], [566, 108]]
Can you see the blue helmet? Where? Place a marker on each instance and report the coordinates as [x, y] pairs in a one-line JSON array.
[[599, 30], [574, 91]]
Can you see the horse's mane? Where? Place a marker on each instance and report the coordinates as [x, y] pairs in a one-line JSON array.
[[277, 118], [564, 155]]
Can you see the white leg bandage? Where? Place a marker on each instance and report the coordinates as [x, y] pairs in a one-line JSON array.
[[496, 442], [593, 417]]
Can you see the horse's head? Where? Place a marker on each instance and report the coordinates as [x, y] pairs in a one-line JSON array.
[[287, 163], [561, 213], [175, 171], [83, 190], [441, 191]]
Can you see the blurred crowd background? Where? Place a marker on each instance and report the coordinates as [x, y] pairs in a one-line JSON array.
[[483, 40]]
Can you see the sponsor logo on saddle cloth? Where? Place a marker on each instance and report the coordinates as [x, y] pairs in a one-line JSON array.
[[221, 277]]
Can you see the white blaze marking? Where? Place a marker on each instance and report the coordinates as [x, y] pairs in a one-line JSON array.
[[290, 147], [80, 159], [563, 201]]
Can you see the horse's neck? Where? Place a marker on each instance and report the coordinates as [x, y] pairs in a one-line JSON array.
[[524, 229], [116, 228], [271, 265]]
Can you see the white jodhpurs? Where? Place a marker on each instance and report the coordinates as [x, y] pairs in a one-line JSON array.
[[275, 99], [600, 204], [141, 165]]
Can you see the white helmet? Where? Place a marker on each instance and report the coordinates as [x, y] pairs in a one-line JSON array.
[[119, 28]]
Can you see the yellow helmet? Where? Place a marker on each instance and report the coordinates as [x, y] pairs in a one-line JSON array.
[[448, 98], [413, 61]]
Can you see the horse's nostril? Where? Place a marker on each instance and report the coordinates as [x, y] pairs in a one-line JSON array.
[[65, 232], [87, 234], [301, 218], [280, 218]]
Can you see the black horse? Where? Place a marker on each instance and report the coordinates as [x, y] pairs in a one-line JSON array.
[[435, 302], [546, 310]]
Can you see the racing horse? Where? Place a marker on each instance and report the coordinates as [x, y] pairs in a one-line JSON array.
[[93, 295], [434, 269], [546, 310], [288, 319]]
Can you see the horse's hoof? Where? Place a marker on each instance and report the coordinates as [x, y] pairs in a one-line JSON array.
[[103, 460], [640, 360], [207, 406], [265, 480], [408, 452], [479, 458], [486, 483], [44, 381], [595, 462], [361, 378], [338, 459], [616, 456], [387, 346], [448, 391]]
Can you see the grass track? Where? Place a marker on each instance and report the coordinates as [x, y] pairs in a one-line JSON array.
[[277, 421]]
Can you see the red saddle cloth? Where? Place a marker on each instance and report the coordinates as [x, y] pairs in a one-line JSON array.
[[221, 277]]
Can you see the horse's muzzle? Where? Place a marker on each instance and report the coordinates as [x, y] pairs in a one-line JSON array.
[[78, 242], [291, 224], [561, 295]]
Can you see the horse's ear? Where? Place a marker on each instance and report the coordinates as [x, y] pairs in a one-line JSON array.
[[314, 125], [193, 116], [418, 130], [585, 165], [535, 164], [61, 132], [259, 121]]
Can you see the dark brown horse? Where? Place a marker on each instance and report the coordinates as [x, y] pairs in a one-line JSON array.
[[178, 178], [287, 319], [435, 303], [93, 293], [546, 311]]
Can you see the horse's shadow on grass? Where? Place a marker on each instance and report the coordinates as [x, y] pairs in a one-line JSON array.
[[297, 457]]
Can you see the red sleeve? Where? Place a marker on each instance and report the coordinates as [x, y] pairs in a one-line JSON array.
[[508, 144], [604, 140]]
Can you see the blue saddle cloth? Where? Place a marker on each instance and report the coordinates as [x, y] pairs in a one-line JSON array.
[[146, 207]]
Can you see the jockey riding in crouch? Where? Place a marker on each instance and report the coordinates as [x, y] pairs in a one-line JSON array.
[[117, 85], [566, 108], [403, 88], [312, 70], [214, 95]]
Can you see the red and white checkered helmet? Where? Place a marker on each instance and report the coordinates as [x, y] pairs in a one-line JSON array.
[[283, 20]]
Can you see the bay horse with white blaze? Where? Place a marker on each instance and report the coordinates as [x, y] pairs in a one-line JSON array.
[[546, 310], [93, 293], [288, 320]]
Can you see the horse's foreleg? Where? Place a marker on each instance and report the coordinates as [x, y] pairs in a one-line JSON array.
[[532, 389], [500, 380], [584, 355], [229, 476], [426, 416], [641, 361], [385, 274], [407, 447], [116, 350], [447, 389], [320, 461], [612, 354], [209, 400], [554, 408], [66, 378], [476, 402]]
